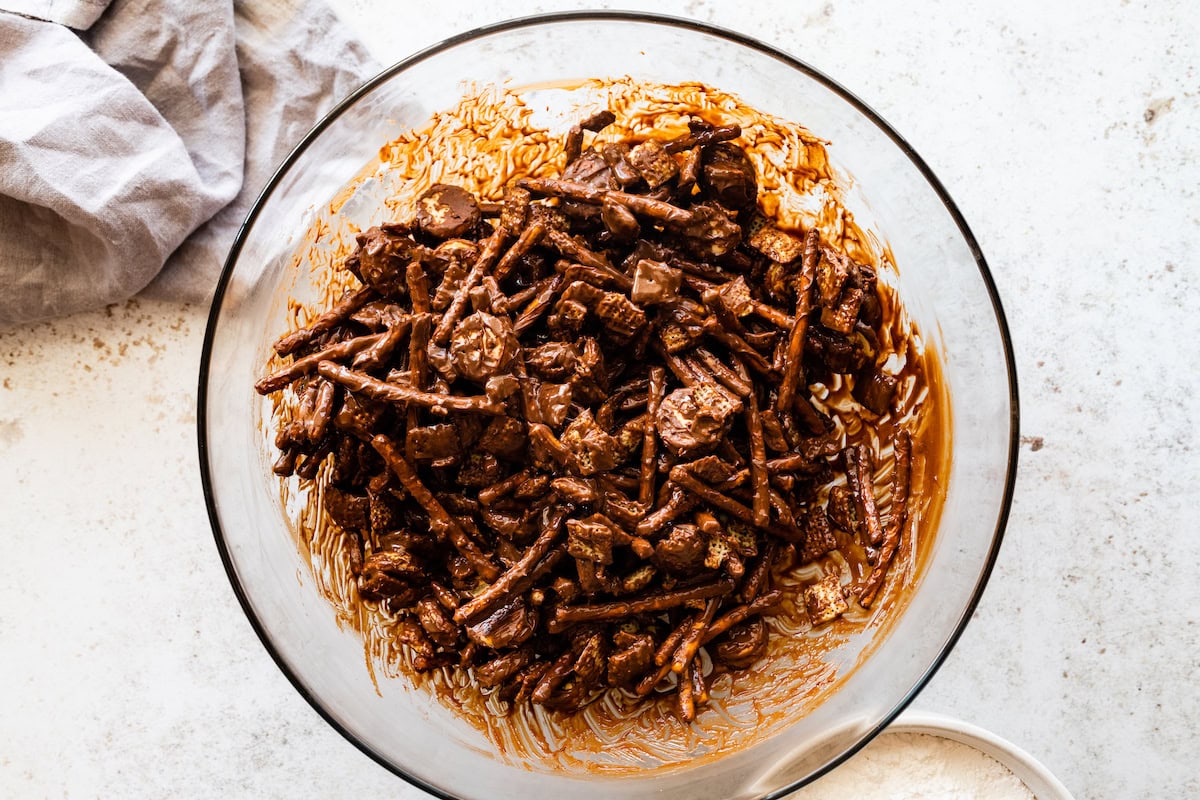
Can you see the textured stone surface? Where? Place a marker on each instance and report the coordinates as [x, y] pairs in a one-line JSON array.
[[1066, 133]]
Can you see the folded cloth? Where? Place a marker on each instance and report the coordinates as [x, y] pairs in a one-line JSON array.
[[131, 151]]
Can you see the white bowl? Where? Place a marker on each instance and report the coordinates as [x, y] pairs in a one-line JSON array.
[[1032, 772]]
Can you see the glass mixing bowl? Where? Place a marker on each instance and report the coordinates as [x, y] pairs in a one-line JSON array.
[[944, 282]]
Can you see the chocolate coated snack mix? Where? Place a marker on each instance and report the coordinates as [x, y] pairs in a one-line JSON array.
[[572, 434]]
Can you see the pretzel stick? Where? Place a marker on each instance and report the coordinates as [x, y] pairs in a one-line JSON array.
[[490, 494], [679, 502], [681, 476], [322, 413], [502, 589], [662, 656], [722, 373], [691, 640], [418, 344], [742, 613], [564, 616], [862, 483], [758, 464], [685, 701], [531, 235], [375, 356], [795, 347], [760, 576], [304, 366], [458, 305], [753, 358], [553, 677], [571, 247], [539, 306], [901, 479], [439, 519], [326, 321], [405, 395], [646, 206], [722, 133], [654, 396]]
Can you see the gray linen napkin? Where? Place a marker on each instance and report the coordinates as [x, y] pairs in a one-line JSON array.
[[131, 151]]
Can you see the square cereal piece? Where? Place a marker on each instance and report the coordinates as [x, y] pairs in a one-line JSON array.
[[832, 271], [736, 296], [592, 448], [590, 539], [655, 282], [818, 535], [676, 338], [504, 437], [842, 511], [479, 469], [841, 318], [433, 442], [825, 601], [384, 512], [515, 209], [653, 163], [619, 316], [778, 245]]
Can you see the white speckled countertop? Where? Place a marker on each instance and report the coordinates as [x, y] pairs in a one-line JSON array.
[[1067, 133]]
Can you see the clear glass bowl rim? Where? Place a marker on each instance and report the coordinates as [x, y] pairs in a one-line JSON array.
[[652, 19]]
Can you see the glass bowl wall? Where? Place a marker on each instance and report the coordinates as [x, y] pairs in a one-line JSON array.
[[944, 282]]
